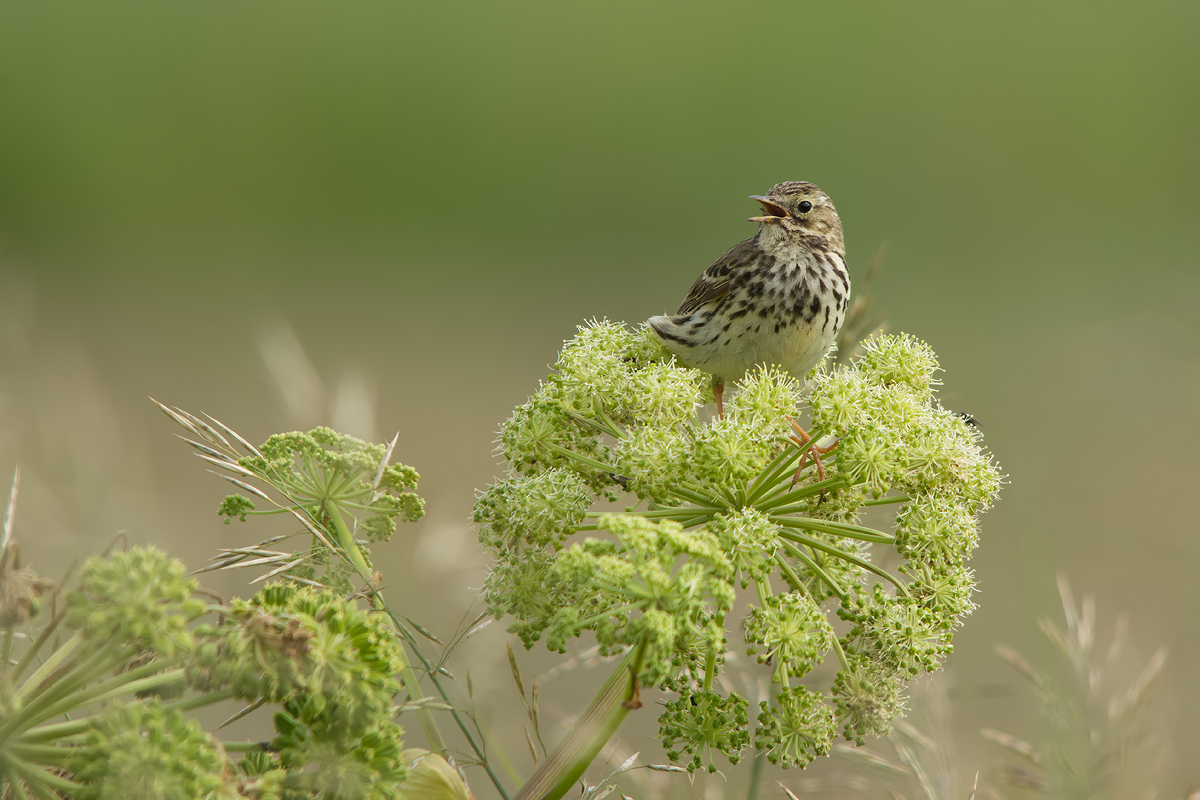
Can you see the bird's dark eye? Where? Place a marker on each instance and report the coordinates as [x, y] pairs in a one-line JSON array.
[[805, 207]]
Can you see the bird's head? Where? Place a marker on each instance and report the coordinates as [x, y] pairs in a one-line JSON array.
[[795, 211]]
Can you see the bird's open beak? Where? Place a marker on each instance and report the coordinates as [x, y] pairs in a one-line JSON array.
[[775, 212]]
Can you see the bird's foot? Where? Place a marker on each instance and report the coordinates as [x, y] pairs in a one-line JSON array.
[[809, 449]]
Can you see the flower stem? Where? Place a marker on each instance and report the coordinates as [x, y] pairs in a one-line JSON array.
[[558, 773], [710, 663], [413, 686], [755, 776], [837, 552], [885, 501], [798, 554], [841, 654], [835, 529], [408, 676]]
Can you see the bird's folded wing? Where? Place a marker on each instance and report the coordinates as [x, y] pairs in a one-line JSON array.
[[713, 285]]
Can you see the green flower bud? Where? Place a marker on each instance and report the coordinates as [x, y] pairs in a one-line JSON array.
[[765, 398], [796, 729], [750, 541], [145, 752], [702, 722], [936, 530], [542, 510], [867, 698], [534, 437], [326, 757], [900, 359], [655, 461], [288, 642], [792, 632], [235, 505], [731, 451], [139, 597]]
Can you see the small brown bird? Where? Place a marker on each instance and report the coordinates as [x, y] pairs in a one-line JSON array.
[[777, 298]]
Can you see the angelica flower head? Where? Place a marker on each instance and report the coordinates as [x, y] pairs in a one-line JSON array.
[[711, 503]]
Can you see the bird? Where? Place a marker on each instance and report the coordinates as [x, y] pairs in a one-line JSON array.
[[778, 298]]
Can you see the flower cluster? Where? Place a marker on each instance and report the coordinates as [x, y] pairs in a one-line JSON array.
[[327, 664], [139, 597], [143, 751], [331, 665], [289, 641], [307, 465], [702, 721], [340, 487], [713, 503]]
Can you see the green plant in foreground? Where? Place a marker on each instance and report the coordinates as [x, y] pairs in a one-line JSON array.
[[104, 713], [119, 688], [709, 507], [714, 505]]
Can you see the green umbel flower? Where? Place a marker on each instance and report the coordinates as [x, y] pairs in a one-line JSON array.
[[711, 502], [139, 597], [145, 752], [795, 729], [290, 642], [702, 721]]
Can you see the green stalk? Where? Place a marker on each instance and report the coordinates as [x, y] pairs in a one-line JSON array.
[[885, 501], [755, 776], [62, 730], [6, 655], [590, 463], [13, 783], [710, 662], [790, 575], [771, 475], [408, 677], [837, 552], [562, 768], [346, 539], [808, 490], [841, 654], [35, 776], [200, 701], [676, 513], [835, 529], [126, 683], [35, 648], [52, 689], [800, 555], [49, 666], [693, 496], [43, 754]]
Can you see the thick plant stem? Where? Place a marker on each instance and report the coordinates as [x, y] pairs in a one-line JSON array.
[[408, 675], [755, 776], [558, 773]]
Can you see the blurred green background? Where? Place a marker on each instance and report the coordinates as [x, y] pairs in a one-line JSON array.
[[387, 216]]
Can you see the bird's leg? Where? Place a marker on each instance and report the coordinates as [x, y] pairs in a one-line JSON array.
[[718, 387], [809, 448]]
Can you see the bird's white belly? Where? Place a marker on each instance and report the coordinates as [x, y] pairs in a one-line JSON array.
[[796, 349]]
